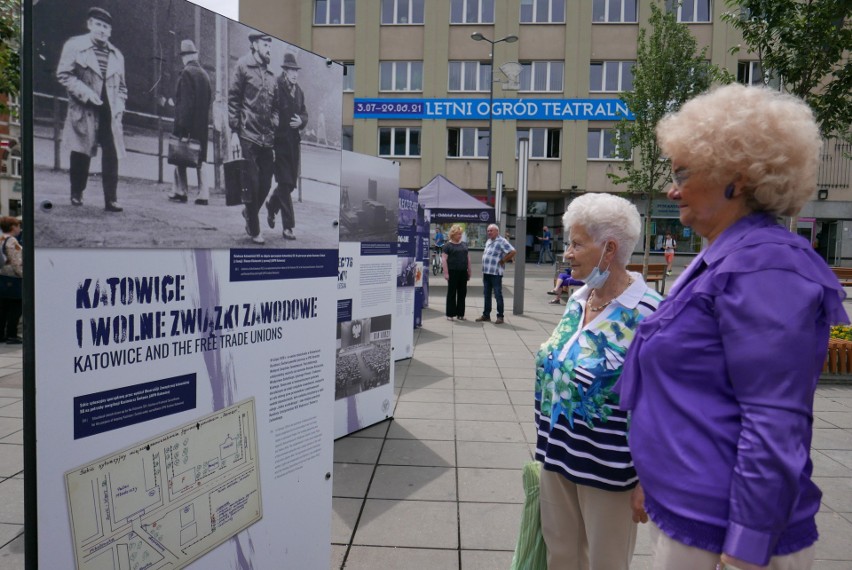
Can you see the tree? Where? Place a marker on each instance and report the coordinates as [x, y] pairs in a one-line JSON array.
[[807, 43], [669, 71], [10, 43]]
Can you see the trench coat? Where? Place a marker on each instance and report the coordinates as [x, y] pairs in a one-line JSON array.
[[287, 138], [80, 73], [192, 105]]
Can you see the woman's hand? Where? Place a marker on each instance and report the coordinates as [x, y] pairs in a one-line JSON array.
[[739, 564], [637, 503]]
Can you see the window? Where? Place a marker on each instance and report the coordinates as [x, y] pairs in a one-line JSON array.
[[14, 104], [15, 168], [468, 142], [469, 76], [602, 144], [401, 76], [614, 11], [471, 11], [751, 73], [542, 11], [347, 138], [402, 11], [399, 141], [611, 76], [690, 11], [334, 12], [348, 76], [544, 143], [541, 76]]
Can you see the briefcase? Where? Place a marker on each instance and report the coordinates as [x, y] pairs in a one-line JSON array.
[[237, 190], [184, 151]]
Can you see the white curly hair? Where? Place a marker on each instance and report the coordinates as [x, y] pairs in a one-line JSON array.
[[606, 217]]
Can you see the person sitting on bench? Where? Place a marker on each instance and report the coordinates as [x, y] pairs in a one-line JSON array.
[[564, 280]]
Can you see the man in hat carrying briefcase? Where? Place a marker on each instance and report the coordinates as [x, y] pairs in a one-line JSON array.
[[292, 118], [252, 118], [92, 71], [193, 96]]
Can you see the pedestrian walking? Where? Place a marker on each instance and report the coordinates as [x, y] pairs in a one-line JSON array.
[[545, 250], [92, 71], [252, 119], [193, 97], [497, 253], [292, 119], [669, 246]]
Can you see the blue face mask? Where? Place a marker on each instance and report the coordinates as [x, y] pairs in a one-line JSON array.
[[597, 278]]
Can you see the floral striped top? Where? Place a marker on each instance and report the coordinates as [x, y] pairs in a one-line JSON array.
[[582, 433]]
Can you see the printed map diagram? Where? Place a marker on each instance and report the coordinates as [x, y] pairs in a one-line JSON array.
[[164, 502]]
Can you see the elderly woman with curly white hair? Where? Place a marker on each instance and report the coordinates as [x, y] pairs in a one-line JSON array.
[[721, 380], [587, 472]]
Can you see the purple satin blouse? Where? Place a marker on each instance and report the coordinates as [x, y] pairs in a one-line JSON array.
[[720, 382]]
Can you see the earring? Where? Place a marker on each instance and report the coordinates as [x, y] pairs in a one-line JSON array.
[[729, 191]]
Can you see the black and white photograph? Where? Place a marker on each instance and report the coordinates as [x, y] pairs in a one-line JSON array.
[[406, 272], [363, 355], [369, 199], [175, 127]]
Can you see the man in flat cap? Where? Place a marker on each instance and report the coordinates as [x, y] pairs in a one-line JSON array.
[[192, 119], [292, 118], [92, 71], [252, 118]]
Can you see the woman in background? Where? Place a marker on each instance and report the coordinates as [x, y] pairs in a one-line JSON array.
[[456, 264], [669, 245], [563, 280], [12, 271]]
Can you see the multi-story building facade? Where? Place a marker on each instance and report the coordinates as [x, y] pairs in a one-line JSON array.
[[10, 162], [418, 85]]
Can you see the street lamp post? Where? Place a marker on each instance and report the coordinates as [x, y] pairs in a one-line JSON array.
[[476, 36]]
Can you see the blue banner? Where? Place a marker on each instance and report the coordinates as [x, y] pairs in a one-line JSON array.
[[512, 109]]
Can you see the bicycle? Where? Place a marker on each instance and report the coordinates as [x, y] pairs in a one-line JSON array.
[[436, 263]]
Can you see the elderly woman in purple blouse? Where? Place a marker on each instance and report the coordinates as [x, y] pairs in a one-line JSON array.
[[720, 381]]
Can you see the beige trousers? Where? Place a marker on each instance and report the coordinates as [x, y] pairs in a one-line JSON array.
[[669, 554], [585, 528]]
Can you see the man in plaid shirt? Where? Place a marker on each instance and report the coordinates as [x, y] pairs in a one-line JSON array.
[[497, 253]]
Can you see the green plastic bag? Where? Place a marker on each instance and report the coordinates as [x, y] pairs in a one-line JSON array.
[[530, 552]]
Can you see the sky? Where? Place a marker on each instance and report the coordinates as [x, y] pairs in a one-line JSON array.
[[229, 8]]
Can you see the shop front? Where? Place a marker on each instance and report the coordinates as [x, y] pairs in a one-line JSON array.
[[665, 217]]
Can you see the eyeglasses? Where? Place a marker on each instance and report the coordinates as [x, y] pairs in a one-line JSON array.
[[680, 176]]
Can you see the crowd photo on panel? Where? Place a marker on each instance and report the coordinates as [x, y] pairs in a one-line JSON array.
[[363, 360]]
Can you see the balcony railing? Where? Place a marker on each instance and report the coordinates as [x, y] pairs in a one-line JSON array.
[[835, 169]]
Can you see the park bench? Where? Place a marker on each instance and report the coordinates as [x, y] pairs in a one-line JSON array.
[[656, 275], [844, 275]]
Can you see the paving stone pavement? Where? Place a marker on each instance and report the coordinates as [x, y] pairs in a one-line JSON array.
[[439, 486]]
